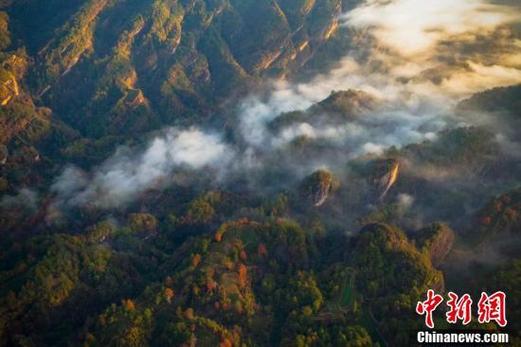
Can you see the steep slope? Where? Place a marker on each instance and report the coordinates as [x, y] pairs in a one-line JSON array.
[[165, 61], [317, 187]]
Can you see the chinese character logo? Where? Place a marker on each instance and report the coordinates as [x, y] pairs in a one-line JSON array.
[[490, 308], [459, 309], [428, 306]]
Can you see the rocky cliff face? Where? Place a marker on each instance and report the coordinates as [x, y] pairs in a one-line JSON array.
[[436, 241], [8, 87], [317, 187], [383, 175]]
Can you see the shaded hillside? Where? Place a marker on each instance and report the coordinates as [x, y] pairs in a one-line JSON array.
[[503, 99]]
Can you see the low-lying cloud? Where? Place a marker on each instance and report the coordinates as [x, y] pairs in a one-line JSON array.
[[126, 175], [445, 47], [408, 70], [414, 29]]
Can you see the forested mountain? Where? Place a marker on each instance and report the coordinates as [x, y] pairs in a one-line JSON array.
[[254, 172], [152, 63]]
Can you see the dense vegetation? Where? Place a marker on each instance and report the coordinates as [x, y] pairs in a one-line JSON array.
[[279, 257]]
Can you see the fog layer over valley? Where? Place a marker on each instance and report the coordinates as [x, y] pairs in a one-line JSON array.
[[401, 85]]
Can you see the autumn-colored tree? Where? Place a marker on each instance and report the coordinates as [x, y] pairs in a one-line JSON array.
[[196, 260], [243, 275], [226, 343], [218, 235], [189, 313], [169, 294], [200, 211], [139, 222], [211, 285], [129, 305]]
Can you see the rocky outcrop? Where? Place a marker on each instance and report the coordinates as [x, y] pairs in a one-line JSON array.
[[318, 186], [436, 241], [12, 68], [330, 30], [384, 174], [8, 87]]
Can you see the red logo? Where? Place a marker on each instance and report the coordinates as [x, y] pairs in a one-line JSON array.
[[459, 309], [428, 306], [490, 308]]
